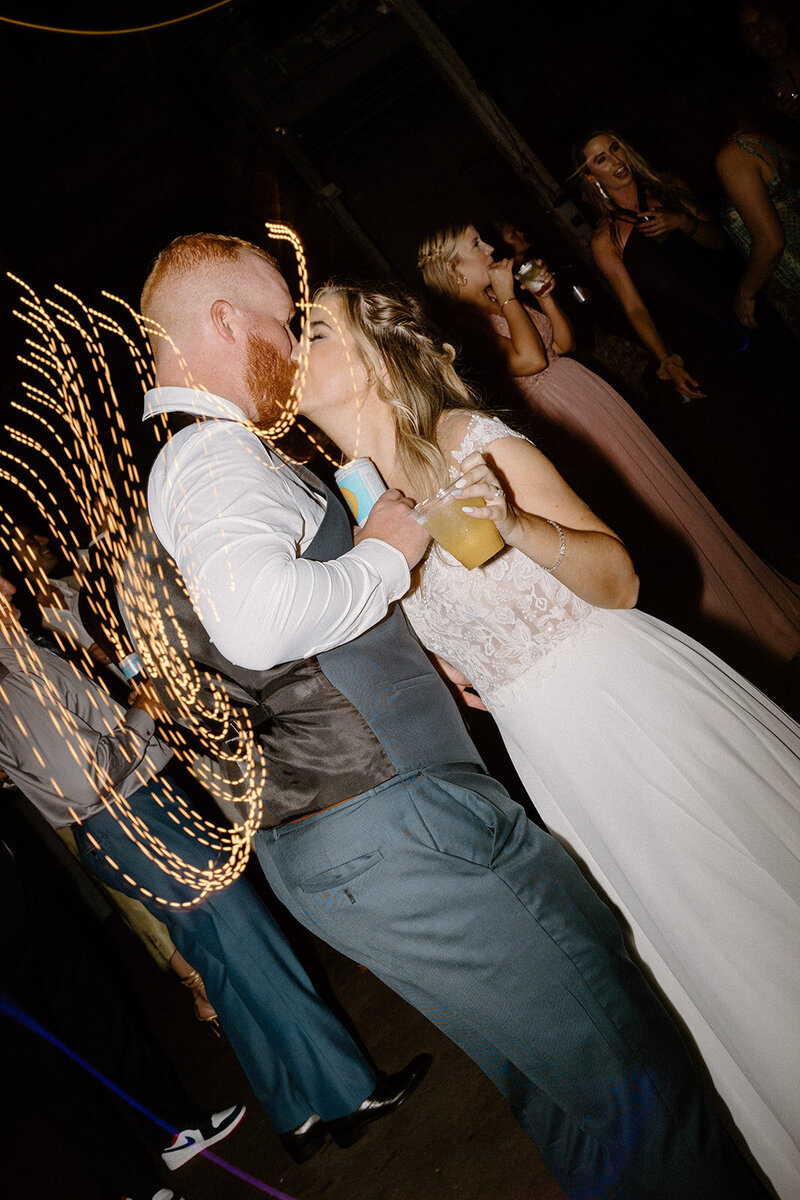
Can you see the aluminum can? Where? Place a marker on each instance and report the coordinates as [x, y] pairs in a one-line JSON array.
[[361, 485], [131, 666]]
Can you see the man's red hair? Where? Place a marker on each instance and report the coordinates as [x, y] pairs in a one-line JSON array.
[[193, 250]]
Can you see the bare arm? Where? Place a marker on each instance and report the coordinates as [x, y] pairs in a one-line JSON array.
[[702, 229], [595, 566], [563, 333], [693, 220], [741, 176], [523, 349], [609, 261]]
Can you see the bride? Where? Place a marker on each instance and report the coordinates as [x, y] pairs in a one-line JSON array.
[[664, 772]]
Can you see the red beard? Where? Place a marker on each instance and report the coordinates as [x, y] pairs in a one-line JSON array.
[[269, 378]]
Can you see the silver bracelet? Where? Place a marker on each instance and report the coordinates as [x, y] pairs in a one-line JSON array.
[[562, 550], [508, 301]]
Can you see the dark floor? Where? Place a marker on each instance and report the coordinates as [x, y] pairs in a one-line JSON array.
[[454, 1140]]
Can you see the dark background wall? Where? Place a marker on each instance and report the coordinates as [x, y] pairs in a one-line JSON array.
[[114, 145]]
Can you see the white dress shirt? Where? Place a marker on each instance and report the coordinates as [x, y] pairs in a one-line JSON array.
[[236, 519]]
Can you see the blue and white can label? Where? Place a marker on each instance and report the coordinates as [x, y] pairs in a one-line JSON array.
[[130, 666], [361, 485]]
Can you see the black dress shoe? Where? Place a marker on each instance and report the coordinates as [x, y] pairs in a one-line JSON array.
[[304, 1141], [391, 1092]]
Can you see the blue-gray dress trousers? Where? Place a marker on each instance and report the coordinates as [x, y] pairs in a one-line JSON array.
[[441, 886]]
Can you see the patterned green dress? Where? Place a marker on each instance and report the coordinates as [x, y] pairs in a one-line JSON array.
[[783, 288]]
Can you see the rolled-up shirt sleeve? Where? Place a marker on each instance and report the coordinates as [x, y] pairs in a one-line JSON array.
[[236, 519], [118, 755]]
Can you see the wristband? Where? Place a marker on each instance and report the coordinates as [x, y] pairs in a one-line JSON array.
[[675, 360]]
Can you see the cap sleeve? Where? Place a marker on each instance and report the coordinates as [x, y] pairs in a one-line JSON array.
[[481, 431]]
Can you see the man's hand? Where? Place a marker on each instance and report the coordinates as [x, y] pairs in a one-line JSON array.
[[390, 521], [98, 655], [145, 696]]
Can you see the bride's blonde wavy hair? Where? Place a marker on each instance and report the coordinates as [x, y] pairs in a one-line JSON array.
[[413, 368]]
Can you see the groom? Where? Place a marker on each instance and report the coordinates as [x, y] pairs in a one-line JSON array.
[[383, 834]]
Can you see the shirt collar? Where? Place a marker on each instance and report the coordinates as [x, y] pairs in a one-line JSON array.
[[191, 400]]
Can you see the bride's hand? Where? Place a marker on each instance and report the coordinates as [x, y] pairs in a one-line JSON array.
[[478, 479], [461, 685]]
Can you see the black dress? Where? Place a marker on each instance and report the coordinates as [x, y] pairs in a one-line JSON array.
[[735, 443]]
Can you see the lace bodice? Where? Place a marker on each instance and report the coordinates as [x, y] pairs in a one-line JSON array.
[[498, 621]]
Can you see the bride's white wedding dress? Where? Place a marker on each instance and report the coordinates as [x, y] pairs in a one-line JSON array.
[[675, 782]]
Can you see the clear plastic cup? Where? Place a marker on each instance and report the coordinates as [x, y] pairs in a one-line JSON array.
[[471, 540], [529, 276]]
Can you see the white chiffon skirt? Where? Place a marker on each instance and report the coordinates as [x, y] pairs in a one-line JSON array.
[[677, 785]]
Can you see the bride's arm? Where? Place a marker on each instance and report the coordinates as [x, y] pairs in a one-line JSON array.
[[533, 499]]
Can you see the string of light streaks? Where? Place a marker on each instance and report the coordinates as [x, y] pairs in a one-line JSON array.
[[62, 410], [80, 739], [64, 414], [62, 407], [282, 232]]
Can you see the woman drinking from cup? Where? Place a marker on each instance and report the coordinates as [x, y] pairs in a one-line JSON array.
[[696, 571]]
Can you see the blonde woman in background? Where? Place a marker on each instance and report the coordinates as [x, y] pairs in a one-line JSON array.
[[728, 596]]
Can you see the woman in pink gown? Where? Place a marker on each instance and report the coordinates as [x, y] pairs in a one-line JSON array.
[[696, 571]]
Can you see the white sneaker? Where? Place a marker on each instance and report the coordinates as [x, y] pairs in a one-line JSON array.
[[162, 1194], [189, 1142]]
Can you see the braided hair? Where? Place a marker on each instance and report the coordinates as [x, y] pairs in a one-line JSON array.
[[414, 370], [436, 251]]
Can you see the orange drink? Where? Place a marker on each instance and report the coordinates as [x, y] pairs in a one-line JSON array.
[[471, 540]]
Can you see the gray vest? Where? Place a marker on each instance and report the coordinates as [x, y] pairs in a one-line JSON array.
[[335, 725]]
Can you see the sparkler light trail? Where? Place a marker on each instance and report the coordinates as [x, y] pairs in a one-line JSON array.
[[116, 32], [70, 394], [63, 438]]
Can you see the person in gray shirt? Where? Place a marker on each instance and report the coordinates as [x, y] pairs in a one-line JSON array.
[[84, 761]]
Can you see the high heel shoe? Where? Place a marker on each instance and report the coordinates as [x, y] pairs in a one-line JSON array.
[[203, 1008]]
